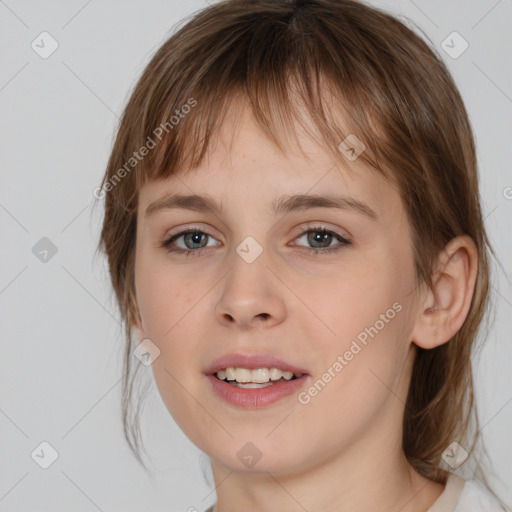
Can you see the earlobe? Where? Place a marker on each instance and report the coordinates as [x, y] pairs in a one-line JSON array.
[[445, 308], [137, 323], [138, 328]]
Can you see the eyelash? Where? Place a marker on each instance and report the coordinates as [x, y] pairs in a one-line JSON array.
[[315, 229]]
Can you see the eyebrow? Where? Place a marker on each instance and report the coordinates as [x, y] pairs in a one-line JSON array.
[[284, 204]]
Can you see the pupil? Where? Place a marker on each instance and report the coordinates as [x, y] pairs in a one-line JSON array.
[[320, 237], [196, 237]]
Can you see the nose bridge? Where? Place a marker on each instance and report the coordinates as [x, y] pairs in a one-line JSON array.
[[251, 292]]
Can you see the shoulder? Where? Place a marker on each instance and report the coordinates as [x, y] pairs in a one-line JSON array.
[[465, 496], [476, 498]]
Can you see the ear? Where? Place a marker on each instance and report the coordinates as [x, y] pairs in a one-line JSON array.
[[136, 320], [445, 308], [139, 331]]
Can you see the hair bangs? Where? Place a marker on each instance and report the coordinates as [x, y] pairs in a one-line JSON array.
[[291, 81]]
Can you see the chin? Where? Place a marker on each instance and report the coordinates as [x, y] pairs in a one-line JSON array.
[[259, 457]]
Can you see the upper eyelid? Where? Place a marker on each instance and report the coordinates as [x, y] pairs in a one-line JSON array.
[[311, 226]]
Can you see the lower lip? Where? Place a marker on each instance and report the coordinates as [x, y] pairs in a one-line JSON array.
[[256, 397]]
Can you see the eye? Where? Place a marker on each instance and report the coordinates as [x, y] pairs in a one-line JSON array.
[[194, 241], [321, 238]]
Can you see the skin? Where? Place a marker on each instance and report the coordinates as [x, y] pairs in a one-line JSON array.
[[342, 450]]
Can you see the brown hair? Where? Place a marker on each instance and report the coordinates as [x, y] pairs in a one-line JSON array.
[[285, 57]]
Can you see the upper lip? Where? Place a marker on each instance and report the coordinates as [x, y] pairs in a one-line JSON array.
[[251, 362]]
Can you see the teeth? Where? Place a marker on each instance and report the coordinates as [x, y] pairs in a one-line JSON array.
[[230, 374], [250, 385], [275, 374], [243, 375], [257, 376], [260, 375]]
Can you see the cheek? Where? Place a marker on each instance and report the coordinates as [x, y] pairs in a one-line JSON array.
[[356, 381], [173, 324], [361, 338], [347, 302], [172, 320], [163, 299]]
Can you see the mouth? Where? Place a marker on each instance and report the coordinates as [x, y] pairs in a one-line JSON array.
[[254, 381], [258, 378]]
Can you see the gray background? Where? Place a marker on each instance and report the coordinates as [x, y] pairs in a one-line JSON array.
[[60, 364]]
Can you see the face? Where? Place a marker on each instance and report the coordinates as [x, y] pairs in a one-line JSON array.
[[311, 289]]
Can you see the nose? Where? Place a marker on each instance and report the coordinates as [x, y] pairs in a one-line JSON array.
[[252, 296]]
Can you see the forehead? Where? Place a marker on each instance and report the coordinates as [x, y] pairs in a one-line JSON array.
[[243, 164]]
